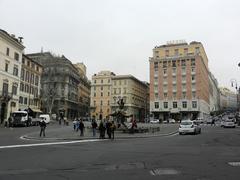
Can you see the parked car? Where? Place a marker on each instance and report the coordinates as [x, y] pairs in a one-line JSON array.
[[172, 121], [154, 121], [189, 127]]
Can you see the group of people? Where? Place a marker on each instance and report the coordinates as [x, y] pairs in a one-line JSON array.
[[78, 125], [107, 126]]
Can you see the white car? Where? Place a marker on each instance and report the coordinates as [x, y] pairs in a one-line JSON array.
[[172, 121], [154, 121], [228, 123], [189, 127]]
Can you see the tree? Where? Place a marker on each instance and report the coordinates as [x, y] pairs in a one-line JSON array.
[[49, 96]]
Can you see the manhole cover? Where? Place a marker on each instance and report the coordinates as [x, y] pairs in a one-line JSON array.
[[160, 171], [235, 164]]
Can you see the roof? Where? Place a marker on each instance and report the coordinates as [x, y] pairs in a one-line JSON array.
[[12, 38]]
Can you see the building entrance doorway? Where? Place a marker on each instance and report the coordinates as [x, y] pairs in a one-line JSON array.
[[100, 116], [3, 110]]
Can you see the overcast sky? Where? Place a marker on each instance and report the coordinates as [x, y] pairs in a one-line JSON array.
[[119, 35]]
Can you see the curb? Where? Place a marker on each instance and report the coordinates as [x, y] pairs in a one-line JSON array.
[[24, 137]]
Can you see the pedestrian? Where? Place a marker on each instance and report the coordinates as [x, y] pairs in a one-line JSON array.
[[108, 128], [101, 130], [10, 121], [113, 128], [75, 124], [213, 122], [94, 127], [42, 127], [81, 127]]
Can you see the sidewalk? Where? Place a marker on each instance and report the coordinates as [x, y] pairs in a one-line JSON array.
[[60, 132]]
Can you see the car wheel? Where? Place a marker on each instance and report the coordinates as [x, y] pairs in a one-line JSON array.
[[180, 133]]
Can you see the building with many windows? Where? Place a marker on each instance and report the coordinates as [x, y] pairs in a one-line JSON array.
[[179, 81], [101, 87], [30, 85], [60, 80], [228, 100], [11, 50], [135, 94]]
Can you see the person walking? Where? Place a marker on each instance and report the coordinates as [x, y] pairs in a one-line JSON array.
[[94, 127], [81, 127], [43, 126], [113, 128], [75, 124]]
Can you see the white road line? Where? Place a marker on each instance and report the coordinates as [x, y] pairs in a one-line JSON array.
[[48, 144]]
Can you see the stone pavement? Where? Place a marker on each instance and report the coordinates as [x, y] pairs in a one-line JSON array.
[[62, 132]]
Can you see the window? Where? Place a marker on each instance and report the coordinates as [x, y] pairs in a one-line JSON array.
[[125, 90], [21, 100], [15, 70], [193, 78], [95, 81], [14, 90], [22, 74], [94, 94], [174, 95], [165, 105], [197, 50], [23, 60], [114, 91], [183, 63], [166, 53], [164, 71], [28, 63], [101, 102], [21, 87], [194, 94], [5, 89], [119, 90], [174, 104], [165, 95], [174, 64], [183, 70], [164, 64], [26, 88], [102, 81], [101, 87], [6, 67], [185, 51], [125, 82], [176, 52], [101, 94], [94, 103], [108, 102], [32, 78], [37, 69], [108, 93], [7, 51], [184, 104], [27, 76], [174, 70], [156, 95], [193, 69], [33, 66], [120, 82], [194, 104], [192, 62], [108, 80], [25, 100], [36, 80], [156, 104], [184, 95], [16, 56]]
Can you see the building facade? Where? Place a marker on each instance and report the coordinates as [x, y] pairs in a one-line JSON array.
[[84, 91], [30, 85], [228, 100], [179, 81], [60, 80], [101, 87], [214, 94], [134, 94], [11, 50]]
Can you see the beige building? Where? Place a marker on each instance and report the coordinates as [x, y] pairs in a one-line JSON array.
[[101, 94], [179, 81], [134, 94], [84, 91], [228, 99], [30, 85], [11, 50]]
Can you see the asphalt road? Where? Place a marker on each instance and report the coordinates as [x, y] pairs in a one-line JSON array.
[[194, 157]]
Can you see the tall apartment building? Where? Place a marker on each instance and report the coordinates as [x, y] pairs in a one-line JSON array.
[[30, 85], [11, 50], [134, 94], [101, 94], [84, 91], [179, 81], [60, 80]]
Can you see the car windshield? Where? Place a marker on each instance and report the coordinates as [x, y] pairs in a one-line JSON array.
[[186, 123], [19, 114]]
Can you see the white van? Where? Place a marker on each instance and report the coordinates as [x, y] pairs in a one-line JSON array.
[[45, 117]]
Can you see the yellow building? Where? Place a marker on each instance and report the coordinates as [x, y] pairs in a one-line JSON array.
[[101, 94]]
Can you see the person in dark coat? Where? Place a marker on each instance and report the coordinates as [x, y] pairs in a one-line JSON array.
[[102, 130], [81, 127], [113, 128], [43, 126], [108, 128], [94, 127]]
